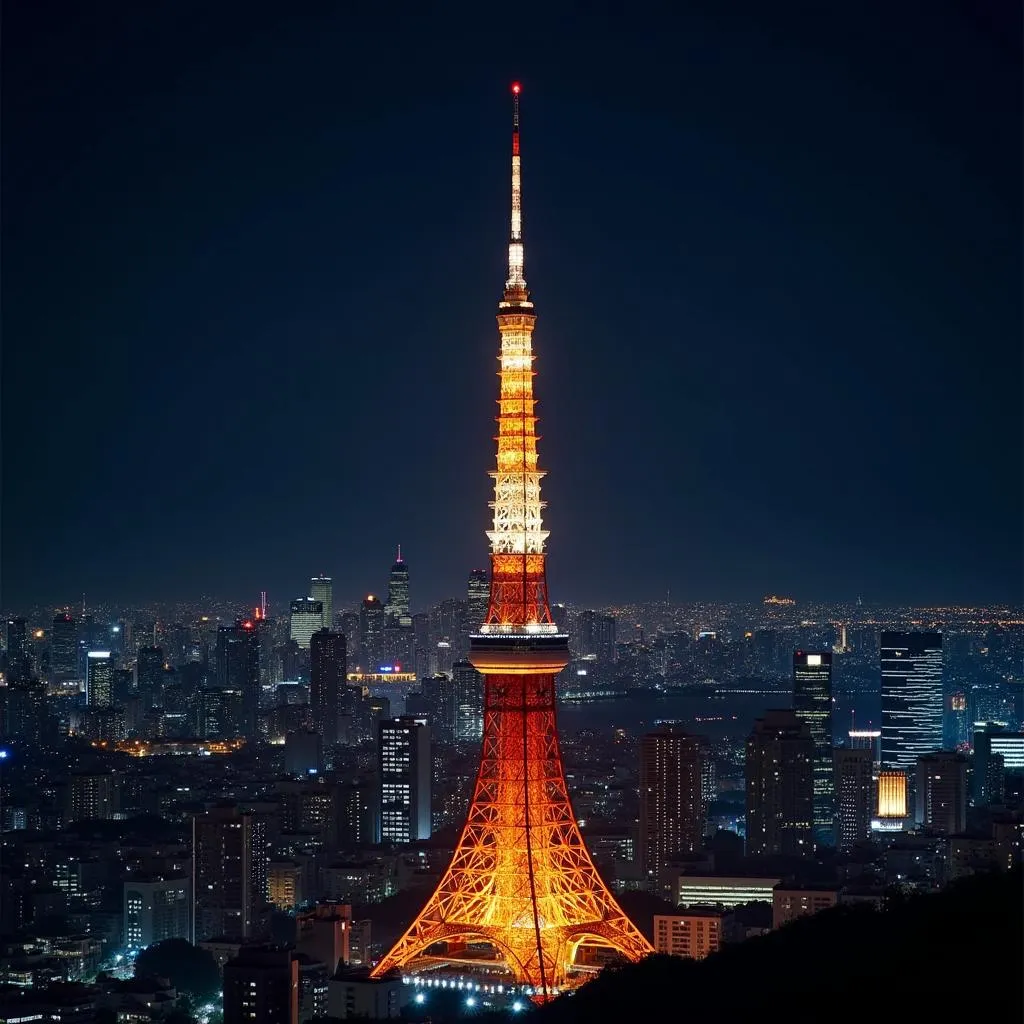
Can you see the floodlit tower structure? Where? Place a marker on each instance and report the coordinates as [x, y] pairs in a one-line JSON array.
[[521, 878]]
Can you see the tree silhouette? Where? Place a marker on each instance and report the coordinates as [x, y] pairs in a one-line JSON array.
[[188, 968]]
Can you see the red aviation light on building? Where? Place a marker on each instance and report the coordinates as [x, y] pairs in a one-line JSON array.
[[516, 88], [247, 624]]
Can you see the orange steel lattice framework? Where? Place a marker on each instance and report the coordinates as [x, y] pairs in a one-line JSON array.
[[521, 879]]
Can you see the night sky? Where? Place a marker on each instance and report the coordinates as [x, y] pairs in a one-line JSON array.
[[252, 252]]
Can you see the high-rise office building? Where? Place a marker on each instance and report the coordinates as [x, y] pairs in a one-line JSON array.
[[219, 713], [348, 624], [396, 610], [404, 770], [855, 787], [327, 671], [64, 648], [671, 802], [19, 658], [149, 675], [99, 679], [321, 589], [780, 787], [156, 908], [238, 669], [469, 702], [229, 872], [307, 618], [261, 986], [595, 636], [372, 620], [812, 701], [439, 695], [940, 796], [478, 596], [911, 697]]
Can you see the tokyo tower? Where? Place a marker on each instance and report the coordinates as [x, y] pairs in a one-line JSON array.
[[521, 881]]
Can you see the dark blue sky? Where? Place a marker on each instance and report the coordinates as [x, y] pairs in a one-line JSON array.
[[252, 254]]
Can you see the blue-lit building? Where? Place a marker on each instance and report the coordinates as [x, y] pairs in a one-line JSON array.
[[912, 698], [812, 702]]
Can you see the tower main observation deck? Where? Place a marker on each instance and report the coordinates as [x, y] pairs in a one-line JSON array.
[[521, 894]]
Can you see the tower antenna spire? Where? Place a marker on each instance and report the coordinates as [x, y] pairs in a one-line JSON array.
[[515, 286]]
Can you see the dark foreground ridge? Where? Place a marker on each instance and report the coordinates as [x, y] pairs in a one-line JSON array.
[[958, 949]]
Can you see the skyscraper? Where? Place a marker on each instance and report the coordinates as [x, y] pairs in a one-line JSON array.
[[812, 701], [149, 675], [19, 660], [64, 647], [372, 620], [327, 672], [404, 771], [671, 802], [595, 636], [99, 679], [469, 702], [911, 698], [439, 694], [940, 796], [229, 872], [321, 589], [478, 595], [396, 610], [780, 787], [521, 879], [854, 769], [238, 669], [307, 616]]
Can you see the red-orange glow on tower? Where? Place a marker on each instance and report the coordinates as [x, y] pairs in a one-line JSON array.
[[521, 878]]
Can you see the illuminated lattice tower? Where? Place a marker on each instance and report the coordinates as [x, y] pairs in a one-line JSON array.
[[521, 878]]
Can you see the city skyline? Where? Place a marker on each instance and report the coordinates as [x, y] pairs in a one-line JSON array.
[[823, 300]]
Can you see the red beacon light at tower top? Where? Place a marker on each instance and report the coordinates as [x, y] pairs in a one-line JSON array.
[[516, 88]]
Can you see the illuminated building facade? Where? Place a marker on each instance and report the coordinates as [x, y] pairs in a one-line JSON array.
[[469, 702], [693, 935], [404, 771], [478, 598], [812, 701], [780, 787], [99, 679], [396, 610], [892, 802], [521, 879], [155, 909], [321, 588], [911, 697], [307, 618], [855, 788], [671, 802], [723, 891]]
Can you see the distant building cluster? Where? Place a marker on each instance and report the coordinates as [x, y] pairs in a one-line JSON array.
[[258, 784]]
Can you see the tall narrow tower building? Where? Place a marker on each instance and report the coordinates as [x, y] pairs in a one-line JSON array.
[[521, 879]]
